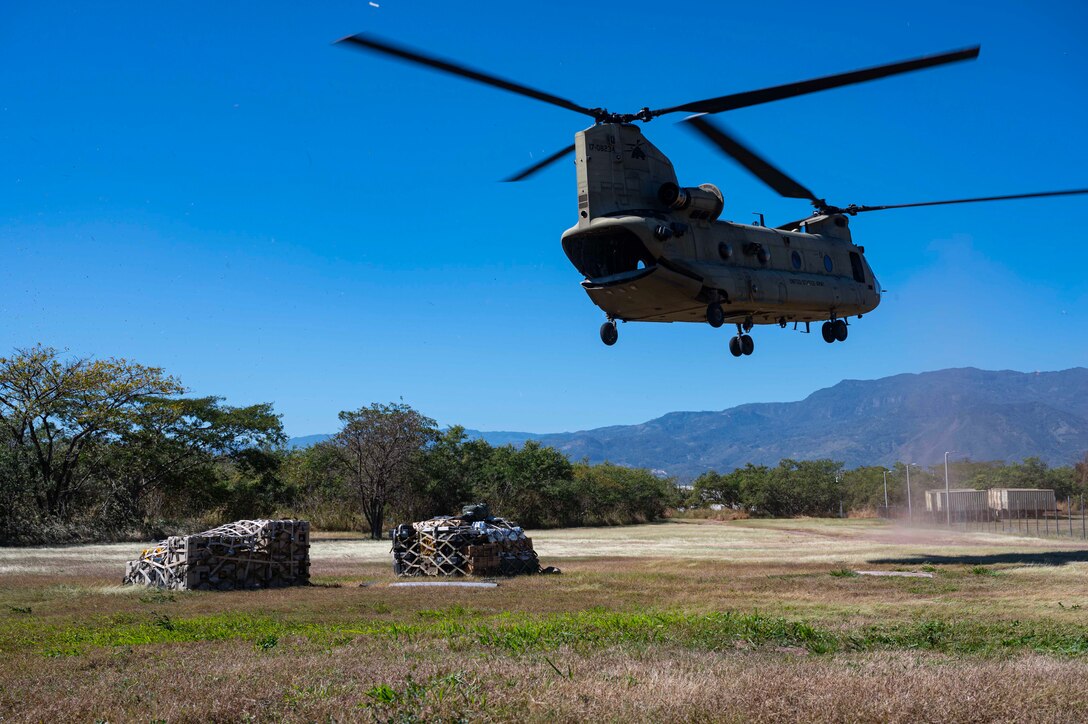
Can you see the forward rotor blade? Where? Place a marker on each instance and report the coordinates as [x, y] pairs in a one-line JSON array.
[[369, 43], [743, 155], [861, 209], [541, 164], [789, 90]]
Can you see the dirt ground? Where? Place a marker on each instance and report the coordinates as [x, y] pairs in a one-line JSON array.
[[846, 542]]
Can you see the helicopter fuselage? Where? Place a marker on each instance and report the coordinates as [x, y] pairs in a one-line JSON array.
[[652, 251]]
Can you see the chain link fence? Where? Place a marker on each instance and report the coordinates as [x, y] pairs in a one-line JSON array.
[[1061, 519]]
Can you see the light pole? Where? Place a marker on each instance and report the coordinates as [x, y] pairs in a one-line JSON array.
[[886, 471], [910, 510], [947, 492]]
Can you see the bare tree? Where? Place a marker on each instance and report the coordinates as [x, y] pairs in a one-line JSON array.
[[380, 448]]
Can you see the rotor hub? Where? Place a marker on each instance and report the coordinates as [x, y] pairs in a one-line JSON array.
[[603, 115]]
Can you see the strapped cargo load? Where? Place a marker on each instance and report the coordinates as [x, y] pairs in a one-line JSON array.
[[243, 554], [474, 543]]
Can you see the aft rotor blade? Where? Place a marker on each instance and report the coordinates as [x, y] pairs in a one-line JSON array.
[[379, 46], [860, 209], [541, 164], [789, 90], [743, 155]]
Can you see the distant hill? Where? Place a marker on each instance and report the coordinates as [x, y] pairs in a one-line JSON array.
[[296, 443], [911, 417]]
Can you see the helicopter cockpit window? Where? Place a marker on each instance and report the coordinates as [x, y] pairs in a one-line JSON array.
[[795, 259], [828, 265]]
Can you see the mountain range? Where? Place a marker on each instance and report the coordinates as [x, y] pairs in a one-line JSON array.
[[984, 415]]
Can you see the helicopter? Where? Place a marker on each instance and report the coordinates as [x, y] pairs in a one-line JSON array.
[[651, 250]]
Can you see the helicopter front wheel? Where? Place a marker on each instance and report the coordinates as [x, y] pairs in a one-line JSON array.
[[609, 335]]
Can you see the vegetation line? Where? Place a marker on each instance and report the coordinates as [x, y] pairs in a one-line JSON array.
[[583, 631]]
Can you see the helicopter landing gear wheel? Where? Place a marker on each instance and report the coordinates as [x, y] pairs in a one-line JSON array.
[[609, 335], [840, 330], [828, 332], [715, 317], [742, 344]]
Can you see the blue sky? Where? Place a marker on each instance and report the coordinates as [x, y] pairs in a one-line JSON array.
[[216, 189]]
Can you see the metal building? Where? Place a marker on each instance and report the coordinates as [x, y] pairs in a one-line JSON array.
[[964, 502], [1020, 502]]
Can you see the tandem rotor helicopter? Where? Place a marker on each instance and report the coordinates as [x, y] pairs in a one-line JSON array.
[[654, 251]]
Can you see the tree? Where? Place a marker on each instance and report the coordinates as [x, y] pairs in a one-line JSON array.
[[754, 483], [379, 449], [713, 488], [93, 448], [1080, 475], [451, 467], [526, 484], [185, 449], [316, 479], [56, 411], [864, 487], [615, 495]]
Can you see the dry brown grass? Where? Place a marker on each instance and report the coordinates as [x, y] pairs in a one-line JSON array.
[[299, 682], [322, 663]]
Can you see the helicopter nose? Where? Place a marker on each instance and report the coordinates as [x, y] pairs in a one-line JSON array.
[[605, 252]]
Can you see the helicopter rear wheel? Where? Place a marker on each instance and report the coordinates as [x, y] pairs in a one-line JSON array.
[[715, 317], [735, 347], [828, 332], [840, 330], [747, 346], [609, 335]]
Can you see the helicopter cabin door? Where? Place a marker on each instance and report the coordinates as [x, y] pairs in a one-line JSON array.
[[755, 293]]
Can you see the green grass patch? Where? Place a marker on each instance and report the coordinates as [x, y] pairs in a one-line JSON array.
[[456, 696], [597, 629], [973, 637], [522, 634]]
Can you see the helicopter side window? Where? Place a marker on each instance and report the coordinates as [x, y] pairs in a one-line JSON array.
[[857, 268], [828, 265], [795, 259]]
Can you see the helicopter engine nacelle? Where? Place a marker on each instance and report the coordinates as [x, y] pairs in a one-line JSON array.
[[702, 203]]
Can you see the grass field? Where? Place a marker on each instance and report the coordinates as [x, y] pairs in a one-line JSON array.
[[681, 621]]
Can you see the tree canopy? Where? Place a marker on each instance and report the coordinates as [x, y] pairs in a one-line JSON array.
[[110, 444]]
